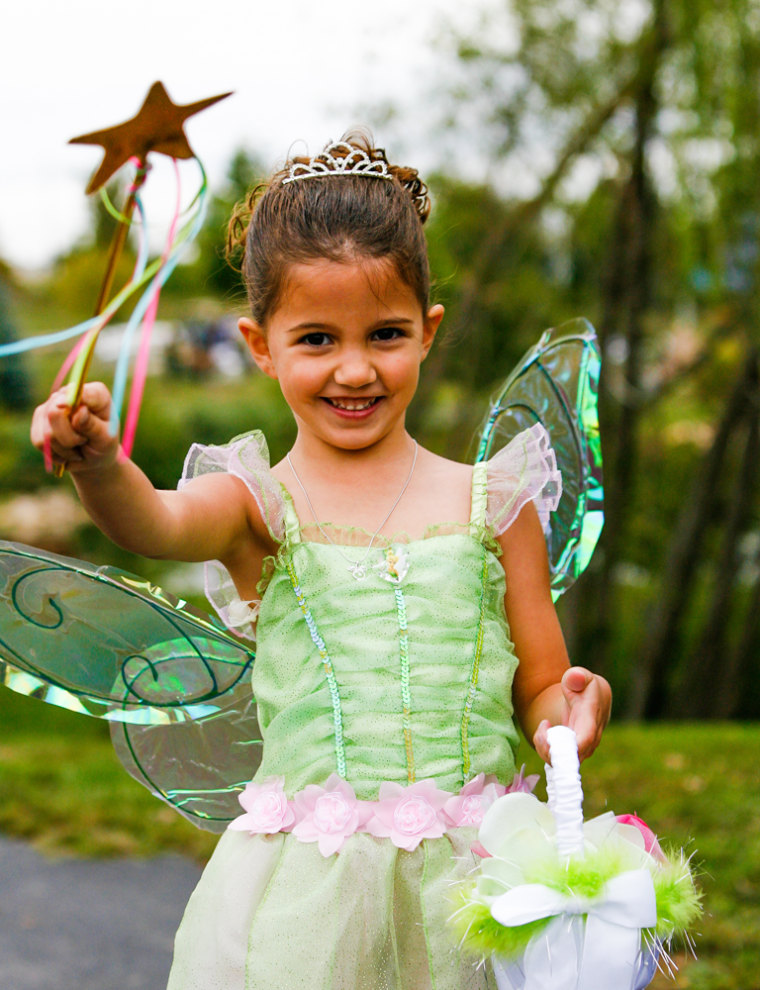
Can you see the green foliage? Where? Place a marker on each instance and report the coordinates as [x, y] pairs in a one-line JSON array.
[[15, 392], [210, 268]]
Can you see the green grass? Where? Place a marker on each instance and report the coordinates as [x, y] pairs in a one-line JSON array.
[[697, 785], [64, 790]]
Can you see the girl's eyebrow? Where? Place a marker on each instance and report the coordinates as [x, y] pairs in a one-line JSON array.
[[308, 325], [395, 320], [386, 321]]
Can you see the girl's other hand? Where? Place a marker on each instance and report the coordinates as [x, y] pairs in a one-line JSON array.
[[587, 700], [81, 440]]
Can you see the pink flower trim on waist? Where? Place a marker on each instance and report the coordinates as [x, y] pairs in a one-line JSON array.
[[406, 815]]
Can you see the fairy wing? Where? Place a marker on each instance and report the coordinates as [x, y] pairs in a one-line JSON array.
[[200, 766], [556, 384], [172, 681]]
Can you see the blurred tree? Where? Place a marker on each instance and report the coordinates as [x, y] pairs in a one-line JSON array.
[[71, 290], [210, 269], [15, 391], [623, 139]]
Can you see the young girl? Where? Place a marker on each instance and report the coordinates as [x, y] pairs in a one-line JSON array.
[[393, 592]]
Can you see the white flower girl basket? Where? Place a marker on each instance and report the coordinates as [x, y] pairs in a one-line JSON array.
[[563, 905]]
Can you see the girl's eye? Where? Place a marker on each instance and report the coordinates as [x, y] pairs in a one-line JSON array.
[[388, 333], [315, 339]]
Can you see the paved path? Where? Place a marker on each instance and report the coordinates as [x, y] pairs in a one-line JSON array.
[[74, 924]]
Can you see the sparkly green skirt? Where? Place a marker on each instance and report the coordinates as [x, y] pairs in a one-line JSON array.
[[271, 913]]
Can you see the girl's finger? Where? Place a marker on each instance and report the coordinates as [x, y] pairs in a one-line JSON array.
[[63, 452], [575, 680], [97, 398], [63, 431], [586, 725], [541, 740]]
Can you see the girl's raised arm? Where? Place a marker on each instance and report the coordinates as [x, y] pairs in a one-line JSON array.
[[214, 517], [547, 690]]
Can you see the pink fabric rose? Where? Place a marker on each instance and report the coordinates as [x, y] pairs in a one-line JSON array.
[[651, 845], [407, 815], [328, 815], [472, 802], [266, 808]]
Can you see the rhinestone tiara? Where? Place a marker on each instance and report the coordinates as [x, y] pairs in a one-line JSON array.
[[354, 162]]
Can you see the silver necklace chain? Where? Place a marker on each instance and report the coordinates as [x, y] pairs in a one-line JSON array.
[[356, 568]]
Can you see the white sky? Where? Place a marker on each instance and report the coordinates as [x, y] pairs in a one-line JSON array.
[[300, 69]]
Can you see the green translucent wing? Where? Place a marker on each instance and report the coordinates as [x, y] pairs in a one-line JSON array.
[[173, 682], [100, 641], [198, 767], [556, 384]]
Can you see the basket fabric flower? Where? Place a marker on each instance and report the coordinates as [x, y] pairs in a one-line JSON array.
[[567, 905]]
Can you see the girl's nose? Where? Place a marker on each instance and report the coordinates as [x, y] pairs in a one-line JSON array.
[[354, 370]]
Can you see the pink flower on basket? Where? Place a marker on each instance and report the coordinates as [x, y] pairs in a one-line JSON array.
[[266, 808], [328, 815], [472, 802], [407, 815], [522, 784], [651, 845]]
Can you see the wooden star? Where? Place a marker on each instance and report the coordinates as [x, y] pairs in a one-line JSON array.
[[157, 126]]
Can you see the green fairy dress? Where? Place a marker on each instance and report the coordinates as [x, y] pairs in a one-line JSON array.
[[386, 699]]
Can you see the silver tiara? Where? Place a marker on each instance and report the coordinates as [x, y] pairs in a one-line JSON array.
[[354, 162]]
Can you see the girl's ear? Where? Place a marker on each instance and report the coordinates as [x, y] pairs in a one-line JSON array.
[[256, 341], [430, 326]]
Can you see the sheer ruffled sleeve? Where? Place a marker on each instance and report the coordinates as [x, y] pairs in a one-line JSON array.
[[246, 457], [523, 471]]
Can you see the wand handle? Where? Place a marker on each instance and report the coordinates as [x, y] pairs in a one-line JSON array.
[[82, 365]]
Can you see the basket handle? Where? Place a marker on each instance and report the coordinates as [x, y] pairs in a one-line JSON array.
[[564, 790]]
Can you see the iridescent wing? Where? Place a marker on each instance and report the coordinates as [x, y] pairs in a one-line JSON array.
[[198, 767], [174, 683], [556, 384]]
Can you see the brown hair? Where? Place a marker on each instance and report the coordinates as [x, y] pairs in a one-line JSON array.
[[340, 218]]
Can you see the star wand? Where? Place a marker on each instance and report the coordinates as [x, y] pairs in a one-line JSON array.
[[157, 126]]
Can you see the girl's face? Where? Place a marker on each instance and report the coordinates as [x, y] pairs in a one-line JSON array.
[[345, 343]]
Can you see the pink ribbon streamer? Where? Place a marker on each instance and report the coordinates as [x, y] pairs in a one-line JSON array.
[[141, 361]]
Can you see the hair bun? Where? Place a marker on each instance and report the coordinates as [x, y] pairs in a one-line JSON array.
[[411, 181]]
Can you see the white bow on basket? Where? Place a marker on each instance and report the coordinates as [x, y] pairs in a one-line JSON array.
[[565, 905]]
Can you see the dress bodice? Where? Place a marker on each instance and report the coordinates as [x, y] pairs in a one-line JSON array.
[[401, 676], [406, 674]]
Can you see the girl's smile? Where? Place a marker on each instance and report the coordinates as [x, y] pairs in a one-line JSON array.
[[345, 343], [353, 408]]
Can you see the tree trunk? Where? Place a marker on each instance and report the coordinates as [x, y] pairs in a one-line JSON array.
[[709, 670], [648, 694], [739, 694], [628, 292]]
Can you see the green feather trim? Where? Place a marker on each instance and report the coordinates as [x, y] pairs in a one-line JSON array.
[[480, 934], [678, 900]]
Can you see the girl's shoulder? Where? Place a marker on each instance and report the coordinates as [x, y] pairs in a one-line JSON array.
[[245, 457], [492, 493]]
